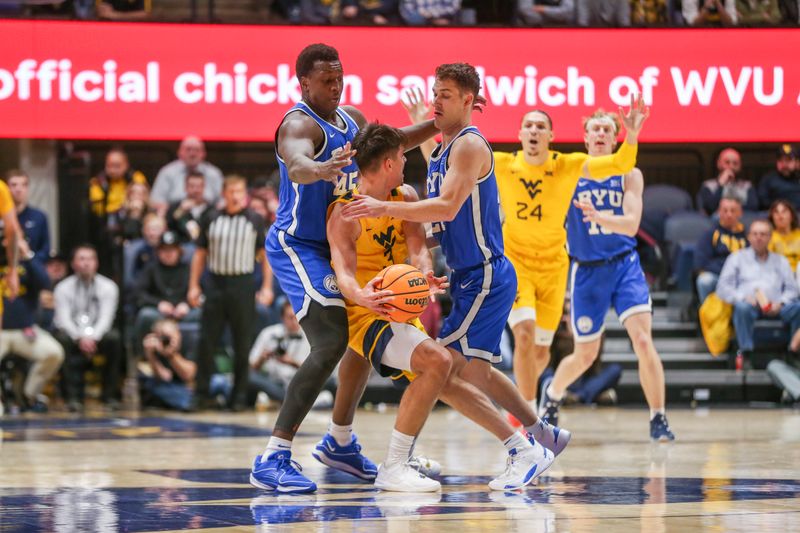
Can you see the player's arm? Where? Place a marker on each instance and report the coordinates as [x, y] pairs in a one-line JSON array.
[[419, 254], [297, 138], [13, 237], [342, 237], [416, 133], [470, 158], [628, 222], [413, 102]]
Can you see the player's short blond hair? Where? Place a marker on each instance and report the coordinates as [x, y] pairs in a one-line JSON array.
[[602, 114]]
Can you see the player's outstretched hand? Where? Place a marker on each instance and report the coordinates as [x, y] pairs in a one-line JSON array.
[[363, 207], [590, 214], [634, 119], [373, 299], [331, 170], [437, 284], [414, 103]]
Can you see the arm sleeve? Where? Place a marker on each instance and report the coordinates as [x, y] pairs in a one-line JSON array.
[[789, 289], [109, 294], [709, 200], [144, 282], [620, 162], [61, 318], [752, 199], [726, 286]]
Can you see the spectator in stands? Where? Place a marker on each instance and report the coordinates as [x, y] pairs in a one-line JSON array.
[[758, 13], [124, 10], [429, 12], [728, 182], [650, 13], [709, 12], [168, 375], [758, 283], [153, 228], [133, 211], [783, 183], [21, 336], [278, 352], [785, 232], [378, 12], [183, 217], [170, 183], [715, 245], [546, 12], [107, 192], [161, 288], [57, 268], [86, 304], [265, 190], [33, 222], [605, 13]]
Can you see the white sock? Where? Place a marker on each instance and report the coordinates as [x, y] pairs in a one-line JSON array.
[[552, 393], [537, 429], [342, 434], [516, 441], [399, 448], [276, 444], [654, 412]]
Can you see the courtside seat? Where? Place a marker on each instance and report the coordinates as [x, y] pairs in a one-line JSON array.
[[681, 232], [658, 203]]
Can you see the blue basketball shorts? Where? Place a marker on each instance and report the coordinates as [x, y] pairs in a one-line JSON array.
[[482, 299], [303, 268], [595, 288]]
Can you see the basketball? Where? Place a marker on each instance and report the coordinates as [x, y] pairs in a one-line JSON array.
[[410, 287]]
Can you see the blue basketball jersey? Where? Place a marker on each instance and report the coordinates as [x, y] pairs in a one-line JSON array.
[[475, 235], [302, 209], [587, 241]]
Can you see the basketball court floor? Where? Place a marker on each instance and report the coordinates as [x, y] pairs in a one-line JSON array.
[[729, 470]]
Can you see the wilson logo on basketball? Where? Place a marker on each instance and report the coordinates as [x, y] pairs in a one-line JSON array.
[[417, 301]]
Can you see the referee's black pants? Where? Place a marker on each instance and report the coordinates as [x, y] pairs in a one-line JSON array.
[[229, 300]]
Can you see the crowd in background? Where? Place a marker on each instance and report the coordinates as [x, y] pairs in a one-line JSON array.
[[582, 13], [163, 285]]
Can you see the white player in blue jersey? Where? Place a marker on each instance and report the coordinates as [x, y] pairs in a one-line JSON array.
[[316, 166], [463, 206], [601, 229]]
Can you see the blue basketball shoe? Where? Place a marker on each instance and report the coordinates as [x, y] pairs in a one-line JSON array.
[[345, 458], [659, 429], [280, 473]]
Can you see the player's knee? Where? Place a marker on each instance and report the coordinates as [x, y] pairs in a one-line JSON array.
[[436, 360], [586, 356], [642, 342], [523, 339]]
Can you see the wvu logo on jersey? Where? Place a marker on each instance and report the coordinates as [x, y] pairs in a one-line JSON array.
[[532, 187], [387, 240]]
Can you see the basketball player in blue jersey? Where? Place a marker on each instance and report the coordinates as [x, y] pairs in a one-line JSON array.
[[463, 205], [316, 166], [601, 229]]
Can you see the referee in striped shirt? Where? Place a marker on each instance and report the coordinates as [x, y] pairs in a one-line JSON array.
[[230, 242]]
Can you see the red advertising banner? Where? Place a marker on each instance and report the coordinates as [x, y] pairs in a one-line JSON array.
[[234, 83]]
